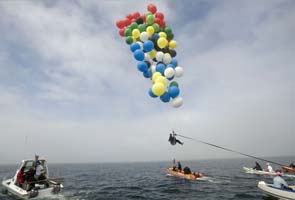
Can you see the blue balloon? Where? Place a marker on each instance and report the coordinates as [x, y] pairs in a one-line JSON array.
[[165, 97], [174, 62], [161, 68], [171, 65], [151, 93], [142, 66], [138, 55], [134, 46], [148, 45], [173, 91], [156, 36], [147, 74]]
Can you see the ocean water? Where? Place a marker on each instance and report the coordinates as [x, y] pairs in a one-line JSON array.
[[149, 180]]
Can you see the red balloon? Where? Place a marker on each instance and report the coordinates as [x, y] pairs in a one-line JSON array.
[[162, 23], [122, 31], [143, 17], [120, 23], [129, 16], [152, 8], [158, 21], [136, 15], [159, 15], [127, 21], [133, 20]]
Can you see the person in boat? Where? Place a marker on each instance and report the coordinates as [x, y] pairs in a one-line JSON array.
[[292, 165], [30, 179], [257, 167], [279, 182], [179, 168], [39, 174], [20, 177], [173, 140], [187, 170], [269, 167]]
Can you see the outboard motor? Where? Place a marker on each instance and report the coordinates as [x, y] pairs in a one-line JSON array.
[[33, 193]]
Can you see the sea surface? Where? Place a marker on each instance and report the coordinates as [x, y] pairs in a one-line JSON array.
[[149, 180]]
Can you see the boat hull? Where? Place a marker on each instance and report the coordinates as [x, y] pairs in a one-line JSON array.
[[181, 174], [254, 171], [14, 190], [276, 192]]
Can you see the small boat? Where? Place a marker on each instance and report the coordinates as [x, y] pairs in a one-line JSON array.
[[288, 169], [279, 193], [180, 174], [40, 189], [263, 172]]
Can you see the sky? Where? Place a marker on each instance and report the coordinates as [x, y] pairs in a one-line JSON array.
[[70, 90]]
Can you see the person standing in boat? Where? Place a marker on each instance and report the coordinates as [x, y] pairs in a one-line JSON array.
[[257, 167], [269, 167], [179, 166], [39, 171], [279, 182]]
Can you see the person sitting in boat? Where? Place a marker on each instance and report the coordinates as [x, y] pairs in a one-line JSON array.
[[179, 166], [20, 177], [187, 170], [279, 182], [257, 167], [173, 140], [30, 179], [292, 165], [269, 167]]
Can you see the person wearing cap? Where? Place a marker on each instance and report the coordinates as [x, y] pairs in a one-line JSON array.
[[39, 170], [279, 182], [269, 167]]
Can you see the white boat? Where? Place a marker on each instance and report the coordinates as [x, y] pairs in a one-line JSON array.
[[41, 189], [270, 190], [262, 172]]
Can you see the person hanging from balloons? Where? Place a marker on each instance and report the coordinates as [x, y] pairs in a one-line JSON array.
[[173, 140]]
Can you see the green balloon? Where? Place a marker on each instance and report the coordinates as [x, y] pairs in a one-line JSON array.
[[150, 19], [133, 25], [170, 36], [156, 27], [168, 29], [129, 40], [141, 27], [173, 83], [127, 32]]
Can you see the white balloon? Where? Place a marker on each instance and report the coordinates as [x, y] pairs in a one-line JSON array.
[[177, 102], [140, 44], [159, 56], [179, 71], [144, 36], [153, 68], [169, 72], [167, 58]]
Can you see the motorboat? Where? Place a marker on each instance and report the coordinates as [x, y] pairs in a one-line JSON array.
[[279, 193], [31, 189], [264, 172]]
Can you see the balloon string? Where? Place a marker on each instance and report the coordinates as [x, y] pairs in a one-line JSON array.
[[230, 150]]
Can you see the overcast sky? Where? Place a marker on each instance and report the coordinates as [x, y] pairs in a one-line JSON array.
[[70, 90]]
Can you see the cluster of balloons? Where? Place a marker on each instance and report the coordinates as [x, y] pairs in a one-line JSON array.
[[152, 44]]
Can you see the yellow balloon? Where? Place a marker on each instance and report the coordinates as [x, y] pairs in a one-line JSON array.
[[161, 79], [136, 33], [134, 39], [172, 44], [150, 30], [152, 54], [156, 75], [158, 89], [162, 42], [163, 34]]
